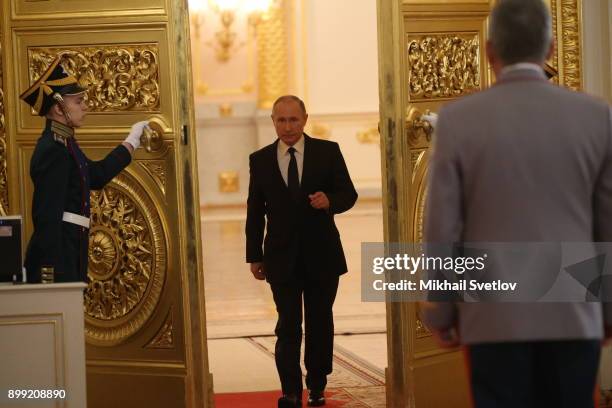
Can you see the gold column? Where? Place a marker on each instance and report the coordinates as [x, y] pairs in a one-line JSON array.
[[3, 177], [272, 56]]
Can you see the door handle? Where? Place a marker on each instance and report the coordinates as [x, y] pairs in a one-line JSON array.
[[152, 137], [419, 123]]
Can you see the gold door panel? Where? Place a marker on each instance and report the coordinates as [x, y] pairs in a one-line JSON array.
[[128, 248], [4, 201], [144, 305], [123, 69], [431, 52], [53, 9]]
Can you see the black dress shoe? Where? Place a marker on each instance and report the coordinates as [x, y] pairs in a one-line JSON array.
[[316, 399], [290, 401]]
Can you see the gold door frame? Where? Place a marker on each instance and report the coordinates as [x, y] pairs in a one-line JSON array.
[[4, 194], [167, 346], [414, 362]]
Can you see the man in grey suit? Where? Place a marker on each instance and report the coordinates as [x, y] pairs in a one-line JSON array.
[[523, 161]]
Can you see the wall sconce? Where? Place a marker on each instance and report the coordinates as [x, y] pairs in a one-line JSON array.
[[196, 15], [225, 42]]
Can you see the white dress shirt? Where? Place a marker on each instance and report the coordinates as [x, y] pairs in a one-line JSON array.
[[284, 157], [521, 65]]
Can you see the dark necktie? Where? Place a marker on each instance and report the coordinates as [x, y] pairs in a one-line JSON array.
[[293, 179]]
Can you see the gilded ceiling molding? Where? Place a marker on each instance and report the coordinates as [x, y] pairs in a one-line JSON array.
[[164, 339], [4, 205], [570, 43], [443, 65], [273, 71], [118, 79], [127, 261]]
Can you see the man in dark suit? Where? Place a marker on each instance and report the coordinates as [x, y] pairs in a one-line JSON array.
[[298, 183], [63, 177], [524, 161]]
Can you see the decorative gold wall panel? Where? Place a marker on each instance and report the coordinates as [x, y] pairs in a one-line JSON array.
[[319, 130], [48, 9], [229, 181], [430, 52], [145, 323], [566, 16], [443, 65], [157, 170], [570, 44], [118, 78], [127, 261], [4, 205], [369, 135], [273, 68], [164, 339]]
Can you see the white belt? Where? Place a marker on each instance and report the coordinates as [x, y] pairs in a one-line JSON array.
[[76, 219]]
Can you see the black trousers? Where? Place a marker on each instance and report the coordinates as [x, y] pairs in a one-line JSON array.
[[560, 374], [318, 297]]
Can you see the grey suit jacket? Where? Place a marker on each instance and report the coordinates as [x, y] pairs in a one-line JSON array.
[[523, 161]]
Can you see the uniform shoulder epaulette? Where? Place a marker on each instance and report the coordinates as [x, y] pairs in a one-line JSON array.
[[61, 133]]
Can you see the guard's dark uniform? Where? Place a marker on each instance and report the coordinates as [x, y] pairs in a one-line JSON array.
[[63, 177]]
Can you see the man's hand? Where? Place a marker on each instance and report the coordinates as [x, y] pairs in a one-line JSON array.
[[258, 271], [319, 200], [446, 338], [134, 137], [432, 118]]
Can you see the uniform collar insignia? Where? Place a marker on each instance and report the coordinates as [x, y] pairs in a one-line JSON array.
[[61, 132]]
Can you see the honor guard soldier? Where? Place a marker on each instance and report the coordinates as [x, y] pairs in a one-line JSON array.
[[63, 177]]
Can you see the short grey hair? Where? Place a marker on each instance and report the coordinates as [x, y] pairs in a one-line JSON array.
[[521, 31], [293, 98]]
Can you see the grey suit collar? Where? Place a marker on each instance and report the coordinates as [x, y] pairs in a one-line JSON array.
[[518, 74]]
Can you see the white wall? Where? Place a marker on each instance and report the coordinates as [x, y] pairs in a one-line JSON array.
[[333, 65], [337, 75], [224, 144], [341, 56]]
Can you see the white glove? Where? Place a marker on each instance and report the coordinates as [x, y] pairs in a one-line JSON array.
[[432, 118], [134, 137]]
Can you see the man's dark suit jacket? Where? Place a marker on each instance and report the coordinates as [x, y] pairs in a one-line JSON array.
[[293, 227]]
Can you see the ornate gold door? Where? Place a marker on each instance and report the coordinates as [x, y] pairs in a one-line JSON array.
[[145, 324], [431, 52]]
